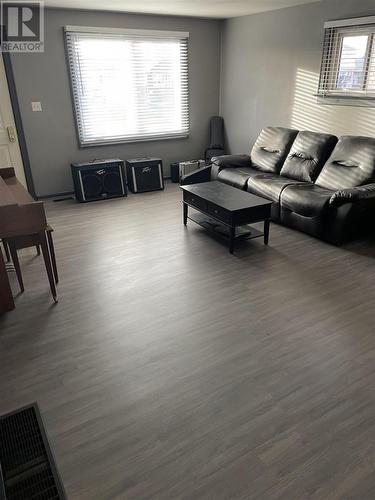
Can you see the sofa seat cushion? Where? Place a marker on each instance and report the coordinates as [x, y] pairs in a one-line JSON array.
[[269, 186], [307, 156], [307, 200], [351, 164], [271, 148], [236, 177]]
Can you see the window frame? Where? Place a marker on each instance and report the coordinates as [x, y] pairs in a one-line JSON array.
[[146, 33], [331, 60]]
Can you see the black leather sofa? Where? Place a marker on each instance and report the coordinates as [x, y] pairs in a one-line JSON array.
[[321, 185]]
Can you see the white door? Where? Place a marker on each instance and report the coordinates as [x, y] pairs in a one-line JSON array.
[[10, 155]]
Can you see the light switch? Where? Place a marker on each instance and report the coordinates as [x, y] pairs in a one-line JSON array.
[[36, 106]]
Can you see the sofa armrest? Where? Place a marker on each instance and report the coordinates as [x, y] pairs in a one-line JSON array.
[[231, 161], [196, 177], [353, 194]]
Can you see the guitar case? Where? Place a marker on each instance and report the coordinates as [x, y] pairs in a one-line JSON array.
[[216, 147]]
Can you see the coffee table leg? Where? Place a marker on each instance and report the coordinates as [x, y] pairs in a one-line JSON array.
[[231, 239], [266, 231], [185, 208]]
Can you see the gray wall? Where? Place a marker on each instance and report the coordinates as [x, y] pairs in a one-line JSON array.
[[51, 136], [270, 70]]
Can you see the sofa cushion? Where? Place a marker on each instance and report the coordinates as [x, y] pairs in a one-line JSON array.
[[307, 156], [236, 177], [269, 186], [306, 207], [307, 200], [271, 148], [351, 164]]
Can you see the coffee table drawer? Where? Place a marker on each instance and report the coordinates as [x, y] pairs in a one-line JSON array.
[[195, 201], [219, 213]]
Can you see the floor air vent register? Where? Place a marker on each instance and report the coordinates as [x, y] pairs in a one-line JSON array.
[[27, 468]]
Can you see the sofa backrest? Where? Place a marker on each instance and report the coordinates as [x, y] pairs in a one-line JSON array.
[[308, 154], [271, 148], [351, 164]]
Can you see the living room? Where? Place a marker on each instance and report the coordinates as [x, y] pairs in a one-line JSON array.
[[157, 363]]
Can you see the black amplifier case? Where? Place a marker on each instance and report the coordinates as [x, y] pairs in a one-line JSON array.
[[99, 179], [144, 174]]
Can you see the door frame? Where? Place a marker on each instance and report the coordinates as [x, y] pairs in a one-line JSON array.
[[18, 123]]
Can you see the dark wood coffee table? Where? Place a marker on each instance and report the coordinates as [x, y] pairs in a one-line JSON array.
[[226, 211]]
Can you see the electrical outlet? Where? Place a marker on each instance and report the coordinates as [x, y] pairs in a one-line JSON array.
[[36, 106]]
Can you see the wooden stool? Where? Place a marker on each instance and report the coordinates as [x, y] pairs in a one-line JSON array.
[[41, 240]]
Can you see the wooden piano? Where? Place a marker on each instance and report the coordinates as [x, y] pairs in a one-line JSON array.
[[20, 215]]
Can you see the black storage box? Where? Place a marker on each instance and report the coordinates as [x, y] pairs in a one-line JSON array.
[[99, 179], [145, 174]]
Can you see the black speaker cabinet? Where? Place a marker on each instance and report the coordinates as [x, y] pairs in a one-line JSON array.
[[99, 179], [175, 172], [144, 174]]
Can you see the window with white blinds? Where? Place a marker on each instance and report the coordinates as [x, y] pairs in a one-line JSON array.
[[348, 61], [128, 85]]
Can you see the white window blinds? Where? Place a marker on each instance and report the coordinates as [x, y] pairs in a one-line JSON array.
[[128, 85], [348, 61]]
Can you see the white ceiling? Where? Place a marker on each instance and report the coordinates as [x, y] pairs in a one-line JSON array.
[[197, 8]]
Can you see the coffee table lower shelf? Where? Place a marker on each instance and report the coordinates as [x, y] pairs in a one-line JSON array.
[[246, 232]]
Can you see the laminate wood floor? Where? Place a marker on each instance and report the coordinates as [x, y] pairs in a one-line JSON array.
[[170, 369]]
